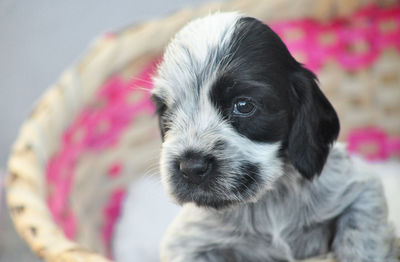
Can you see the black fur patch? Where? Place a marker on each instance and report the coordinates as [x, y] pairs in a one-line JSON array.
[[315, 125], [290, 107], [248, 178], [258, 69]]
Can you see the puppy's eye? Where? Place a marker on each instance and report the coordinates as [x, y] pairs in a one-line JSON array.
[[243, 107], [163, 124]]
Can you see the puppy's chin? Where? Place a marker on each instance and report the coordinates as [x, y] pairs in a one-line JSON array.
[[213, 196], [211, 202]]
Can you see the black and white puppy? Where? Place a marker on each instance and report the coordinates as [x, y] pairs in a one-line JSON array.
[[248, 149]]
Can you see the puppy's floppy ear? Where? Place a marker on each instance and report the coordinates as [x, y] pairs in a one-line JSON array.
[[315, 124]]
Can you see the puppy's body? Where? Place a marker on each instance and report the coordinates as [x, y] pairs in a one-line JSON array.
[[343, 210], [247, 138]]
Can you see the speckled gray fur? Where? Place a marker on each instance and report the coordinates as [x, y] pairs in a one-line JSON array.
[[343, 208]]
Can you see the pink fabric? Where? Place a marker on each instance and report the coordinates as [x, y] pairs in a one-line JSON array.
[[98, 127], [363, 27], [111, 212], [383, 145], [115, 170]]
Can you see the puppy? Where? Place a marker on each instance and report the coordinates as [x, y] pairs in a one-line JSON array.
[[249, 151]]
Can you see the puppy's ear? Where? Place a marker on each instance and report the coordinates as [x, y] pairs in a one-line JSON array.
[[315, 125]]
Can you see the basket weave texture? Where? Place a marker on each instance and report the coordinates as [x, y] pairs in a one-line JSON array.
[[93, 132]]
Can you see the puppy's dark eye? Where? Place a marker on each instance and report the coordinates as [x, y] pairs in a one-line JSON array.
[[243, 107], [161, 108]]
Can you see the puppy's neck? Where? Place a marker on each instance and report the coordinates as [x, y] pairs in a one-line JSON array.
[[290, 189]]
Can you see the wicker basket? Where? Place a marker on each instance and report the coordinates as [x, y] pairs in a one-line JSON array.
[[77, 150]]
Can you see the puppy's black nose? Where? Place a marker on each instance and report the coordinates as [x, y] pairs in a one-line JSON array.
[[195, 167]]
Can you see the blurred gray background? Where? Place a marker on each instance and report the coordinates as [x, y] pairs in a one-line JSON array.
[[38, 40]]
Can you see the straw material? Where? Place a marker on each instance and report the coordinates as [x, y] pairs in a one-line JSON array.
[[356, 95]]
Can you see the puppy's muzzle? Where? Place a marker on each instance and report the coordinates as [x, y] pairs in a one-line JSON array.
[[195, 167]]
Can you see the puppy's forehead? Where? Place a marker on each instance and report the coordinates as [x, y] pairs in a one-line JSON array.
[[193, 58]]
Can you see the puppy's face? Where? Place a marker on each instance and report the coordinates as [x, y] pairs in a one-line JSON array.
[[234, 107]]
